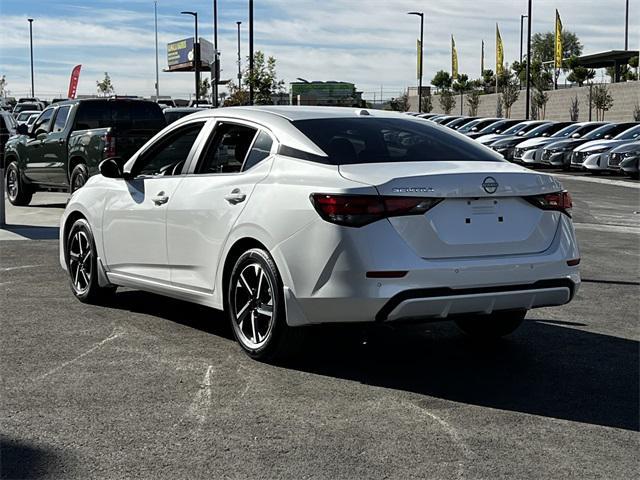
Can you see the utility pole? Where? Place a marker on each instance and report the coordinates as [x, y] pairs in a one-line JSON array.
[[216, 58], [528, 99], [155, 15], [251, 77], [196, 54], [31, 47]]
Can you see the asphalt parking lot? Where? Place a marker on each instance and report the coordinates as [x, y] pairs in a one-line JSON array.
[[149, 387]]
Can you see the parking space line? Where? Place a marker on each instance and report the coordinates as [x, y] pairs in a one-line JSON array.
[[115, 334], [603, 181], [202, 399]]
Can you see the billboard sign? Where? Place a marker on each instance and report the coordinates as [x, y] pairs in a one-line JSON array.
[[181, 52]]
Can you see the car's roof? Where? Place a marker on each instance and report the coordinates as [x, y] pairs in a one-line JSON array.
[[183, 109], [294, 112], [30, 112]]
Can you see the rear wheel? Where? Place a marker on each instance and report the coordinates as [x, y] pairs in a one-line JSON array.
[[79, 176], [496, 325], [255, 303], [18, 192], [82, 265]]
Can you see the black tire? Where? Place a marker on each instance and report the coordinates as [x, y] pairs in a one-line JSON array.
[[79, 176], [496, 325], [18, 192], [82, 265], [251, 297]]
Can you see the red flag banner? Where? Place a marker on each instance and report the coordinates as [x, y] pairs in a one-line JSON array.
[[73, 82]]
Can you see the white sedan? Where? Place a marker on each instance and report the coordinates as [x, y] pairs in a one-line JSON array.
[[292, 216]]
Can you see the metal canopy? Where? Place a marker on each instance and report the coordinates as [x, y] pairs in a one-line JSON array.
[[607, 59]]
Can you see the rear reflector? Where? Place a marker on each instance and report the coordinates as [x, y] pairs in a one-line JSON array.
[[559, 201], [360, 210], [574, 262], [387, 274]]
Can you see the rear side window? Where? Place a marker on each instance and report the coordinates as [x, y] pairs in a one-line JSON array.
[[260, 150], [124, 115], [379, 140], [227, 150], [61, 118]]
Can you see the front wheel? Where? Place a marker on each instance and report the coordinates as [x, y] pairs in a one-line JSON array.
[[496, 325], [82, 265], [18, 192], [255, 303]]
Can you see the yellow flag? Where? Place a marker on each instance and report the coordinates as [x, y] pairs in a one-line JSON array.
[[419, 63], [454, 59], [499, 53], [558, 52]]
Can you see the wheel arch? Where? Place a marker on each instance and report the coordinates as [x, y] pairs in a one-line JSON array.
[[68, 223], [237, 249], [73, 161]]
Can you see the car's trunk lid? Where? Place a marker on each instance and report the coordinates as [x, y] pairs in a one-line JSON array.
[[482, 212]]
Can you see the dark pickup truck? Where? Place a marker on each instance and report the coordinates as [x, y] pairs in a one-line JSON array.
[[67, 142]]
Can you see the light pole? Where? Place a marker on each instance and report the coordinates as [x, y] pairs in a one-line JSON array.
[[239, 58], [528, 99], [421, 15], [251, 77], [155, 15], [522, 17], [626, 26], [196, 54], [31, 48], [216, 68]]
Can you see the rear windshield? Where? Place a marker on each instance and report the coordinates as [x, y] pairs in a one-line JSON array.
[[611, 129], [566, 131], [124, 115], [630, 134], [500, 124], [379, 140]]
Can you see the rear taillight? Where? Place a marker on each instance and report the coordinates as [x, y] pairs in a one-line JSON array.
[[559, 201], [359, 210], [109, 149]]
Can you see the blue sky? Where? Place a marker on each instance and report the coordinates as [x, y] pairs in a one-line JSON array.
[[371, 43]]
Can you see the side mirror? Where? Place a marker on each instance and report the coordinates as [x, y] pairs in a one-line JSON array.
[[607, 137], [474, 129], [22, 129], [110, 168], [545, 134], [575, 135]]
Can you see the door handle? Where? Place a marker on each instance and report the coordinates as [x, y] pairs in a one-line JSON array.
[[160, 199], [61, 141], [235, 197]]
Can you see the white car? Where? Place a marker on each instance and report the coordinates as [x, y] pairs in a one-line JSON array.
[[593, 156], [293, 216]]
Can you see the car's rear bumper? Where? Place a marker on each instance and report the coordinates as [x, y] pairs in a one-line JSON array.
[[333, 287]]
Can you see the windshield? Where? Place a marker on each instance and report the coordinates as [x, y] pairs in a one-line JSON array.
[[24, 116], [500, 124], [539, 130], [630, 134], [380, 140], [610, 129], [566, 131], [520, 127]]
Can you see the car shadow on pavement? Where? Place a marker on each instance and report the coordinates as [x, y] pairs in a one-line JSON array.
[[547, 367], [34, 233], [542, 369], [20, 460]]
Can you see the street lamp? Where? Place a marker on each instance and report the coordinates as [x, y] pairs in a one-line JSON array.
[[31, 48], [239, 58], [522, 17], [528, 99], [216, 59], [155, 16], [196, 54], [251, 77], [421, 15]]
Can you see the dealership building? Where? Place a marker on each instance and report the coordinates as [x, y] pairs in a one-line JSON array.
[[331, 93]]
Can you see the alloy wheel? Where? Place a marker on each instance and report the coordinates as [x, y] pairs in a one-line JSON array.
[[253, 306], [12, 183], [80, 261]]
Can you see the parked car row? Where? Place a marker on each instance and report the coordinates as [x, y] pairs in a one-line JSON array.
[[595, 147]]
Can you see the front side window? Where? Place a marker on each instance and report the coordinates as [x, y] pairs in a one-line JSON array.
[[168, 156], [61, 118], [43, 121], [630, 134], [380, 140], [227, 149]]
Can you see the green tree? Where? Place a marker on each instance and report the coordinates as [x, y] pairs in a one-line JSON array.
[[574, 109], [543, 46], [579, 74], [462, 83], [442, 80], [626, 73], [510, 90], [602, 100], [427, 104], [204, 88], [447, 100], [400, 104], [473, 101], [3, 86], [105, 87], [539, 101], [237, 97], [264, 79], [499, 112]]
